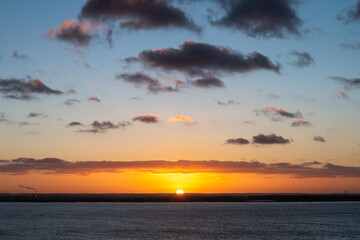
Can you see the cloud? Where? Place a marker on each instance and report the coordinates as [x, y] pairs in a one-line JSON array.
[[139, 79], [208, 82], [138, 14], [102, 127], [18, 55], [185, 119], [75, 32], [71, 102], [25, 90], [269, 139], [71, 91], [340, 94], [75, 124], [203, 59], [352, 14], [237, 141], [146, 118], [303, 59], [276, 114], [3, 119], [319, 139], [300, 122], [229, 102], [94, 99], [36, 115], [59, 166], [347, 82], [261, 18], [354, 46]]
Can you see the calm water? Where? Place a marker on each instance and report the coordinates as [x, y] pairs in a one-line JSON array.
[[180, 220]]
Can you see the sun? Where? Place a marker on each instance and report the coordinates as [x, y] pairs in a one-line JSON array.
[[179, 192]]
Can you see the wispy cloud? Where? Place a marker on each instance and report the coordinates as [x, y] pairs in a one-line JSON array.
[[59, 166], [185, 119], [146, 118]]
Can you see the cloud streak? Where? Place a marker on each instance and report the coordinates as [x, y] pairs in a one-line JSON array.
[[146, 118], [25, 90], [185, 119], [270, 139], [276, 114], [59, 166]]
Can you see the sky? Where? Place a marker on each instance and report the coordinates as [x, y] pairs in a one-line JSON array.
[[151, 96]]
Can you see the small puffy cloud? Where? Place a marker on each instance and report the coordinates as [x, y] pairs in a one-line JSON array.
[[75, 124], [71, 102], [25, 90], [75, 32], [208, 82], [185, 119], [141, 79], [276, 114], [261, 18], [102, 127], [319, 139], [340, 94], [146, 118], [270, 139], [94, 99], [237, 141], [302, 59], [300, 122], [18, 55], [36, 115], [203, 59], [349, 83], [138, 14]]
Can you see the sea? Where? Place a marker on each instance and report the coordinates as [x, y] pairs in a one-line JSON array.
[[200, 220]]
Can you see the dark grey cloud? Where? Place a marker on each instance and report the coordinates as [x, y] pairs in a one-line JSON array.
[[146, 118], [25, 90], [276, 114], [71, 101], [351, 15], [349, 83], [138, 14], [18, 55], [300, 122], [261, 18], [237, 141], [102, 127], [270, 139], [208, 82], [59, 166], [319, 139], [74, 32], [141, 79], [204, 59], [36, 115], [303, 59], [94, 99], [75, 124]]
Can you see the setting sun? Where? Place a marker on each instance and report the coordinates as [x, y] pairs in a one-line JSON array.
[[179, 191]]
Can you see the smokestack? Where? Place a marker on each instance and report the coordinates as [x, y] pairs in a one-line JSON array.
[[31, 188]]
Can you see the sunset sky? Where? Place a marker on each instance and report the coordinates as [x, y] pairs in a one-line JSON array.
[[151, 96]]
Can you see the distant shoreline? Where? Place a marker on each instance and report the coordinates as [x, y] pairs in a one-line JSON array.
[[170, 197]]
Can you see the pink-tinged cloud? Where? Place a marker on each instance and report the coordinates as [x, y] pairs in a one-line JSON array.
[[300, 122], [276, 114], [185, 119], [339, 94], [75, 32]]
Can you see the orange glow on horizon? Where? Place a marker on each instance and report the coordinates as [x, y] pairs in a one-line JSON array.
[[179, 192]]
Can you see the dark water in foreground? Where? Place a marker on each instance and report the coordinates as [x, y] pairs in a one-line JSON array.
[[340, 220]]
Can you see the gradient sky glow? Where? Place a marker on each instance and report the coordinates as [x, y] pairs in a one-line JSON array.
[[271, 96]]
